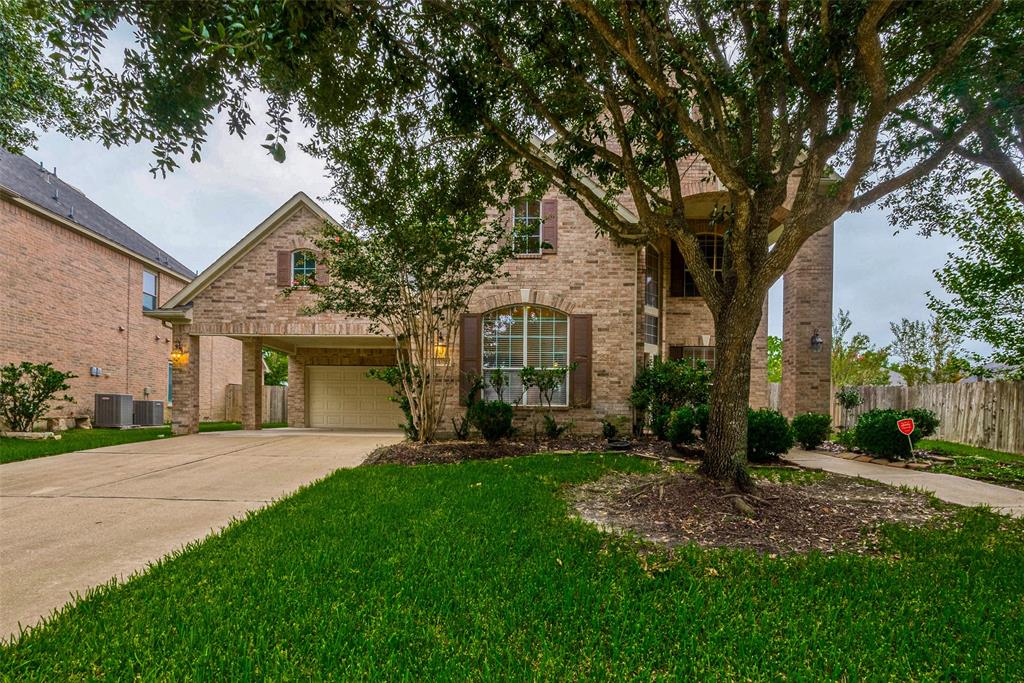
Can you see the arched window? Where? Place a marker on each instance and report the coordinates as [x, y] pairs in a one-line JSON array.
[[303, 268], [683, 283], [525, 336]]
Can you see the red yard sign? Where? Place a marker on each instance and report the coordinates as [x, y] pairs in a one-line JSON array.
[[906, 426]]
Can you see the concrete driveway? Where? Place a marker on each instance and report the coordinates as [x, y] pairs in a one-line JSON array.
[[73, 521]]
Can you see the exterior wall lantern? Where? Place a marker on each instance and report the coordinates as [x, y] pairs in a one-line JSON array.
[[179, 356], [441, 349], [816, 342]]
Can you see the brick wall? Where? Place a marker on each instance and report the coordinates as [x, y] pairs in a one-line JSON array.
[[246, 299], [70, 300]]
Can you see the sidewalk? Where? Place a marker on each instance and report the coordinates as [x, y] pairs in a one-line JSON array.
[[947, 487]]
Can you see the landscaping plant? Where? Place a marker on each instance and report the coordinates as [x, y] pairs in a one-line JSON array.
[[812, 429], [493, 419], [681, 424], [546, 381], [666, 385], [26, 391], [876, 431], [768, 435]]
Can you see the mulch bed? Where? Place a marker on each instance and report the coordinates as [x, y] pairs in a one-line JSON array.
[[835, 514], [444, 452]]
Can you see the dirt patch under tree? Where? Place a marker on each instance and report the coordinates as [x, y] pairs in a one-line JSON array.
[[832, 514]]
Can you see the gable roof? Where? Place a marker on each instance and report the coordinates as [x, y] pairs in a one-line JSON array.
[[27, 180], [241, 248]]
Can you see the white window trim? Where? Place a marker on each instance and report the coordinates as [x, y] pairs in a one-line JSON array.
[[526, 338], [540, 228]]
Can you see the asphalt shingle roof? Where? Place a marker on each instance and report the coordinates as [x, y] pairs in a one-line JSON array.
[[27, 178]]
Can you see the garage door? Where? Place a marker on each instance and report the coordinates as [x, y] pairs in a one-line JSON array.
[[344, 397]]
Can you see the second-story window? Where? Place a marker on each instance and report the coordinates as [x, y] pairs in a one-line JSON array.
[[303, 268], [150, 283], [652, 296], [527, 222]]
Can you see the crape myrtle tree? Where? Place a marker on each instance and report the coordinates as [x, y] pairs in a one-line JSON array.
[[419, 241], [788, 102]]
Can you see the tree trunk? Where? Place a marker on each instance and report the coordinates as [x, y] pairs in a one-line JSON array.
[[725, 456]]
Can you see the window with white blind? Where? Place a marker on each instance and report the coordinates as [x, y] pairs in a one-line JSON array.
[[525, 336]]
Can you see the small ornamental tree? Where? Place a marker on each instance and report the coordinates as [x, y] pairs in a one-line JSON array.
[[26, 391], [427, 243]]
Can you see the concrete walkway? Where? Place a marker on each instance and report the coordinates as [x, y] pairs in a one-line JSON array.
[[947, 487], [70, 522]]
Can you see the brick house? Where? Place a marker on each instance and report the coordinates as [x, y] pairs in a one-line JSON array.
[[606, 307], [76, 283]]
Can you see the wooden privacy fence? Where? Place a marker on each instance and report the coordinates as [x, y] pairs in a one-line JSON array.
[[986, 414], [275, 403]]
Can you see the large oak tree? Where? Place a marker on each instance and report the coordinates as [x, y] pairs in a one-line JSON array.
[[789, 102]]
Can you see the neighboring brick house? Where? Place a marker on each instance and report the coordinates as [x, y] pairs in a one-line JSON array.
[[584, 300], [76, 283]]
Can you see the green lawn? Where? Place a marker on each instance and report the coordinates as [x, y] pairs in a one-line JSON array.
[[475, 571], [978, 463], [12, 450]]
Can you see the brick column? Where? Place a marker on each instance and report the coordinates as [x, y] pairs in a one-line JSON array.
[[252, 383], [297, 392], [185, 383], [807, 306]]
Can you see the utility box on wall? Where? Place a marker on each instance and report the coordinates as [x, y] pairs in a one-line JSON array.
[[113, 410], [149, 413]]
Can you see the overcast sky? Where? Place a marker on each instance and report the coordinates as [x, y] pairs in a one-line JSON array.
[[201, 210]]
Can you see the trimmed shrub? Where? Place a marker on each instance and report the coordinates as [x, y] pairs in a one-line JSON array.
[[665, 385], [924, 420], [768, 435], [846, 438], [492, 418], [681, 425], [702, 411], [876, 431], [812, 429]]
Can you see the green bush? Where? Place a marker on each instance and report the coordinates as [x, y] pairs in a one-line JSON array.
[[664, 386], [26, 391], [681, 425], [552, 429], [876, 431], [768, 435], [846, 438], [924, 420], [492, 418], [812, 429], [702, 412]]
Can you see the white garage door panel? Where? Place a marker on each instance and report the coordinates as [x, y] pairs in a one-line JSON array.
[[344, 397]]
